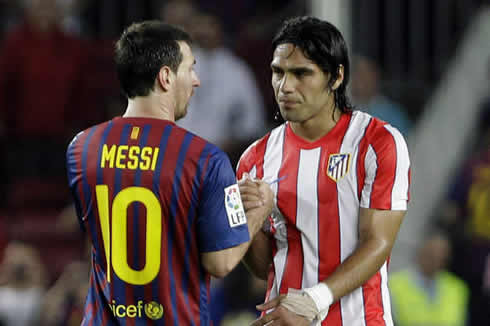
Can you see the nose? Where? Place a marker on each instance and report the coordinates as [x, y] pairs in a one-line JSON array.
[[286, 84], [196, 82]]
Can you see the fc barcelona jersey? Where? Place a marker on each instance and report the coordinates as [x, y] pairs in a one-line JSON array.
[[152, 197]]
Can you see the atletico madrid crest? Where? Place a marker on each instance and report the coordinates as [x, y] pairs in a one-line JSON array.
[[338, 166]]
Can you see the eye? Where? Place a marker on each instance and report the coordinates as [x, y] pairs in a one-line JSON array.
[[277, 71], [302, 73]]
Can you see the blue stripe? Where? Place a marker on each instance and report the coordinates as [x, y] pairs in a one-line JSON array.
[[156, 188], [74, 177], [203, 293], [204, 299], [87, 194], [138, 290], [100, 176], [188, 236], [171, 218], [100, 180], [119, 285]]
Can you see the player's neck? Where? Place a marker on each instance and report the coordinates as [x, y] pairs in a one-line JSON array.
[[150, 106], [318, 126]]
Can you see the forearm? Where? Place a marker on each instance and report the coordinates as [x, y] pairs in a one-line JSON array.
[[220, 263], [364, 262], [259, 256]]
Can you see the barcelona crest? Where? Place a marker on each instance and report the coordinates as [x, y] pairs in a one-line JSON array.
[[338, 166]]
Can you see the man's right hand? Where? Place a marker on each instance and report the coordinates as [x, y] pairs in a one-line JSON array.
[[257, 198]]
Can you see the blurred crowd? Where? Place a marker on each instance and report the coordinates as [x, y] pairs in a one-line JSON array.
[[57, 78]]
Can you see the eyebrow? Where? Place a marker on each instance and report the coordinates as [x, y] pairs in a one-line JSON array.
[[294, 70]]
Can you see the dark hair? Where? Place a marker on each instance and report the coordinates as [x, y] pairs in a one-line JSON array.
[[142, 50], [322, 43]]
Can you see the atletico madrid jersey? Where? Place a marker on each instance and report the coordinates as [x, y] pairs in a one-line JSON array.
[[152, 197], [361, 162]]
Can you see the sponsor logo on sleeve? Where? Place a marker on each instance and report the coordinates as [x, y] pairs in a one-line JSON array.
[[234, 206]]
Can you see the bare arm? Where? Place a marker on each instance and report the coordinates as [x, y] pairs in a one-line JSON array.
[[259, 256], [377, 234], [257, 201]]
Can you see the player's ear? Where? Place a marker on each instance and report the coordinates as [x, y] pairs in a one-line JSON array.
[[340, 77], [165, 77]]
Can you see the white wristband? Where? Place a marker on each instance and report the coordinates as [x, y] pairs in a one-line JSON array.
[[322, 296]]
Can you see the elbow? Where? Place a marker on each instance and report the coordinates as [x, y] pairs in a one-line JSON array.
[[219, 270]]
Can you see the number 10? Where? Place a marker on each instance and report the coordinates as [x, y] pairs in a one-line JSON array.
[[116, 238]]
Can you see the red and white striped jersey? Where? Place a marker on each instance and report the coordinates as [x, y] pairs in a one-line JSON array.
[[361, 162]]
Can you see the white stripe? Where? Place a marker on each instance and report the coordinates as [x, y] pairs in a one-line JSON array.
[[371, 167], [307, 213], [272, 164], [273, 156], [385, 294], [352, 308], [253, 171], [399, 195], [352, 305]]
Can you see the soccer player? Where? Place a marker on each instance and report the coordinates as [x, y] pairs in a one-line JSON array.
[[342, 195], [161, 205]]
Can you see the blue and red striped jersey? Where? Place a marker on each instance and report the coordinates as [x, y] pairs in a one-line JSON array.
[[151, 196]]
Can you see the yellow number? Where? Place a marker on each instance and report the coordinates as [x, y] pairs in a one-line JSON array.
[[116, 246]]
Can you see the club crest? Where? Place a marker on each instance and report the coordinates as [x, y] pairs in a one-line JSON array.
[[338, 166]]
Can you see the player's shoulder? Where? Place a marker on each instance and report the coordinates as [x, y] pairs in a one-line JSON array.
[[377, 130], [252, 152], [208, 148], [82, 134]]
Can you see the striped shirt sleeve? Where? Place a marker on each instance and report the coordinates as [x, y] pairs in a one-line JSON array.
[[387, 167]]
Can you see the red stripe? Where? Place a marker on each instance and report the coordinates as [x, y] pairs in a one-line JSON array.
[[153, 141], [253, 156], [169, 165], [328, 215], [373, 301], [293, 270], [385, 148], [184, 203], [194, 259], [108, 178]]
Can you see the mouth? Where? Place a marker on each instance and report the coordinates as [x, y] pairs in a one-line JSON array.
[[288, 103]]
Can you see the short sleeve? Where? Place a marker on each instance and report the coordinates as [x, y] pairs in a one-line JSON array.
[[218, 228], [246, 162], [387, 171], [74, 175]]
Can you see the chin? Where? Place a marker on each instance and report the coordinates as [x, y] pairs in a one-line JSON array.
[[181, 114]]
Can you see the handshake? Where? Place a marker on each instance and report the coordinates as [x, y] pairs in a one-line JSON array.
[[257, 198]]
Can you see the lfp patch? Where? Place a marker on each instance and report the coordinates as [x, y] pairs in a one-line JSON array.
[[234, 206], [338, 166]]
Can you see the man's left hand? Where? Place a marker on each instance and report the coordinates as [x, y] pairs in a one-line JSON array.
[[280, 316]]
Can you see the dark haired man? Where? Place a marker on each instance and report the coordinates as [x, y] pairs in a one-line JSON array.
[[161, 205], [342, 195]]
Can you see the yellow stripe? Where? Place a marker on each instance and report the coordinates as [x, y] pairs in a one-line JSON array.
[[135, 132]]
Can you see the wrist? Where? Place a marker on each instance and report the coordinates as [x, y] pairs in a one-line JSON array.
[[322, 296]]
